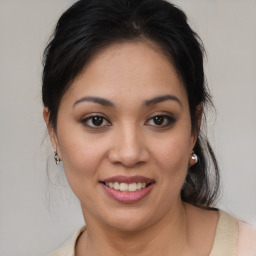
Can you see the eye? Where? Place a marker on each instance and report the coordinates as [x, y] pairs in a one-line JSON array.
[[160, 121], [95, 122]]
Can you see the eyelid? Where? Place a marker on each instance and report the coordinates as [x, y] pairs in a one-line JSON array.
[[88, 117], [161, 113], [169, 117]]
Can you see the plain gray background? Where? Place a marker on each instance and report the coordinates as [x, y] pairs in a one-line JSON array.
[[37, 216]]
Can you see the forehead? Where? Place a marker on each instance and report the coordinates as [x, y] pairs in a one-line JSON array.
[[126, 70]]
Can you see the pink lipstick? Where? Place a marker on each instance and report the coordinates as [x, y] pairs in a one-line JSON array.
[[126, 189]]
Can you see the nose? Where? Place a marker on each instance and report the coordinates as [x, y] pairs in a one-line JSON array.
[[129, 148]]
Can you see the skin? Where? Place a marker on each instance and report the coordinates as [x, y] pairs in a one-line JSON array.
[[130, 142]]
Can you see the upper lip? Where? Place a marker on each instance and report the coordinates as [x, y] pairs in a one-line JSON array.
[[128, 179]]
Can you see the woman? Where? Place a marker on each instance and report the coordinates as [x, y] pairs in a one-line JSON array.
[[125, 96]]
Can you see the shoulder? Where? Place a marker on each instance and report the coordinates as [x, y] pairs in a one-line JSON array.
[[246, 239], [225, 241], [236, 234], [68, 248], [233, 237]]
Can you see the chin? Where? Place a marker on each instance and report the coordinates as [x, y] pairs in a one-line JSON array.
[[129, 219]]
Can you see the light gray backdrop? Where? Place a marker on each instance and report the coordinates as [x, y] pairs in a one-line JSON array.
[[35, 216]]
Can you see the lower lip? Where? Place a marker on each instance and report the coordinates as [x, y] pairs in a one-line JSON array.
[[127, 197]]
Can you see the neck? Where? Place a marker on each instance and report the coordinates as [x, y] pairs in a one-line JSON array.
[[166, 237]]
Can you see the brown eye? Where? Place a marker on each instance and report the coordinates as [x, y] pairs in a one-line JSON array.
[[96, 122], [160, 121]]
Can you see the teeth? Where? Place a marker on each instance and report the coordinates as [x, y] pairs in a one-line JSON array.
[[132, 187], [138, 186], [125, 187], [116, 186]]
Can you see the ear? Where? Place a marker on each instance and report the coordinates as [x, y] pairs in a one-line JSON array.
[[51, 130], [195, 132]]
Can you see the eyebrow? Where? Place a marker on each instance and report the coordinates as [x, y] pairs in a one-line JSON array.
[[98, 100], [108, 103], [161, 99]]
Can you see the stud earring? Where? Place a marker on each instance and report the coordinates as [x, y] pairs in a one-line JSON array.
[[193, 159], [57, 158]]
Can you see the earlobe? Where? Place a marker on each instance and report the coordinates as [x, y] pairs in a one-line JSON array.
[[46, 116], [51, 131]]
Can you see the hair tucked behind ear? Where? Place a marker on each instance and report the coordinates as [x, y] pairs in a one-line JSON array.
[[89, 25]]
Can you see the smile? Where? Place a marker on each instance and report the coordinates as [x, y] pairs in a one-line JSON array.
[[127, 189]]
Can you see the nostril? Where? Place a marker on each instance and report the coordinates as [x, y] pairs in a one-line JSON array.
[[128, 160], [128, 151]]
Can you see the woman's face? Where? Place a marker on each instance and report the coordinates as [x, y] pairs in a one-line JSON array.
[[124, 136]]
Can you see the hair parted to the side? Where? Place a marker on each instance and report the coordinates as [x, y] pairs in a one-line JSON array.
[[90, 25]]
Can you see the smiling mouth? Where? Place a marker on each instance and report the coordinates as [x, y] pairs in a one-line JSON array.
[[127, 187], [127, 184]]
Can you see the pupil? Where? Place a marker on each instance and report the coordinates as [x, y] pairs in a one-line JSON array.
[[97, 120], [158, 120]]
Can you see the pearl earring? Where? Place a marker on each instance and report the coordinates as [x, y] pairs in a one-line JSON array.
[[193, 159]]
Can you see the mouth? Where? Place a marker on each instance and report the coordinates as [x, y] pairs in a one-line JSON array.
[[127, 189]]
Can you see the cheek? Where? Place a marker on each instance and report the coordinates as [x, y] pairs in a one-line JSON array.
[[81, 156], [81, 161], [172, 157]]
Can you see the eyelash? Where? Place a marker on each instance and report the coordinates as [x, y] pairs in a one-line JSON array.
[[167, 120], [86, 120]]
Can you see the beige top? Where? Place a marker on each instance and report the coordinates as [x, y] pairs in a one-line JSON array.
[[232, 238]]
